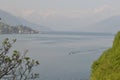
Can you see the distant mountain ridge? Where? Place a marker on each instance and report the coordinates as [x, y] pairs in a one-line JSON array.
[[12, 20], [111, 24]]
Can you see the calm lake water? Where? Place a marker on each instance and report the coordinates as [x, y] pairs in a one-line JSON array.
[[63, 56]]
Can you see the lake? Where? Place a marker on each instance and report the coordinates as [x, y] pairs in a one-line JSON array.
[[63, 56]]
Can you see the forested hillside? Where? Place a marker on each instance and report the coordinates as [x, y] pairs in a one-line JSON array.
[[107, 67]]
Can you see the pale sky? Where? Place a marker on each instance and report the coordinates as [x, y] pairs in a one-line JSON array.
[[62, 14]]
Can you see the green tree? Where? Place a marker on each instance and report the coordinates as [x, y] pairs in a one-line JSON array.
[[16, 66]]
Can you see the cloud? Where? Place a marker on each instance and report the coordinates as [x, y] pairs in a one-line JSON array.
[[40, 13], [102, 8], [27, 12], [47, 13]]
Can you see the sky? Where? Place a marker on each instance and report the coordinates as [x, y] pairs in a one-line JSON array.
[[62, 14]]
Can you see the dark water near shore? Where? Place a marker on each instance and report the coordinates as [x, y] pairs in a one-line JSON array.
[[63, 56]]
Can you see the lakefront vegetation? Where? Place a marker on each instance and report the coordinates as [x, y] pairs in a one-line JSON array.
[[107, 67], [20, 29], [15, 65]]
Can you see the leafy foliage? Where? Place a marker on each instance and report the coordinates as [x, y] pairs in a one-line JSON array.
[[16, 66], [107, 67]]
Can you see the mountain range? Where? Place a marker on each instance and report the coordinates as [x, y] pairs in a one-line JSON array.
[[111, 24], [12, 20]]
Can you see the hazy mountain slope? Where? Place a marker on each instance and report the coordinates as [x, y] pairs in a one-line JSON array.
[[13, 20], [111, 24]]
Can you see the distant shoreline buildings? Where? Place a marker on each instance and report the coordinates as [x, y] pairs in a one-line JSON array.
[[20, 29]]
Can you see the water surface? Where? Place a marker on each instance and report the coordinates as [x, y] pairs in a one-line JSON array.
[[63, 56]]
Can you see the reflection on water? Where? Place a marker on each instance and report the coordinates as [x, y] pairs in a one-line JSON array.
[[63, 57]]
